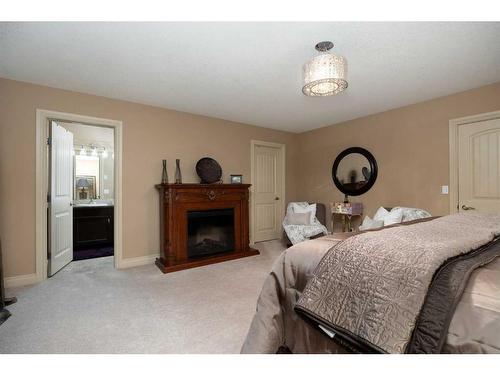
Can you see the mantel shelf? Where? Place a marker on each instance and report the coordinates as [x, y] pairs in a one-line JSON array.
[[203, 186]]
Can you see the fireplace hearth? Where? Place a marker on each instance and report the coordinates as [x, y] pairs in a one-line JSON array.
[[202, 224]]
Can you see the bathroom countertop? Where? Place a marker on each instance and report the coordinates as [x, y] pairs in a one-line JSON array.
[[87, 205]]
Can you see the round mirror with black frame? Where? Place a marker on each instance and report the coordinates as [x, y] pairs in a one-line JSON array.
[[354, 171]]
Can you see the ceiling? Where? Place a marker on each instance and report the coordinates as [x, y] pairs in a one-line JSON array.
[[86, 135], [251, 72]]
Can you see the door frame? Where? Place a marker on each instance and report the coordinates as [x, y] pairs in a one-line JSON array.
[[282, 147], [454, 125], [42, 172]]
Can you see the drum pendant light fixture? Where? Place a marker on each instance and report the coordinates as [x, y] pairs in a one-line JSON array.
[[325, 74]]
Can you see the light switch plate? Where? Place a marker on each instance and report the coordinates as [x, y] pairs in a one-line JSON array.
[[106, 191], [444, 189], [105, 176]]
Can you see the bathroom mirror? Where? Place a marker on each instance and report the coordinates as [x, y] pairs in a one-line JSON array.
[[93, 175], [87, 177], [354, 171]]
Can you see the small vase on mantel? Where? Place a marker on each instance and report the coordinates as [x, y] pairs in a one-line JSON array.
[[164, 174], [178, 175]]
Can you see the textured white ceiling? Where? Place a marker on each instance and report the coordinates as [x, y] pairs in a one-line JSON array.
[[251, 72], [84, 135]]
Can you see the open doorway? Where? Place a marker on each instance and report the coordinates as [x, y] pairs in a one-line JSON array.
[[93, 190], [78, 207], [81, 193]]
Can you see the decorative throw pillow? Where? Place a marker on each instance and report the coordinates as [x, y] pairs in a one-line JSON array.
[[380, 214], [295, 218], [393, 217], [371, 224], [309, 208], [410, 213]]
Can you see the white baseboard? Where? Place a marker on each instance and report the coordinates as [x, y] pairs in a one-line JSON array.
[[138, 261], [21, 280]]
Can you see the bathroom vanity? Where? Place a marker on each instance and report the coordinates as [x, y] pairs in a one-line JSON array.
[[92, 226]]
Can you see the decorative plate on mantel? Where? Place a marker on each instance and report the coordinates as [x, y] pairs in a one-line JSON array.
[[208, 170]]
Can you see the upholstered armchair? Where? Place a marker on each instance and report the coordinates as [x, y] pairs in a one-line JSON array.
[[320, 215]]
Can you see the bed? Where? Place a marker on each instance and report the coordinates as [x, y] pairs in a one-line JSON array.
[[277, 328]]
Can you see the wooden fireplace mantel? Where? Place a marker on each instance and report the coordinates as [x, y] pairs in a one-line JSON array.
[[176, 200]]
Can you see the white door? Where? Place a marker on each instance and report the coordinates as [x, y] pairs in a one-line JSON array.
[[268, 172], [60, 199], [479, 166]]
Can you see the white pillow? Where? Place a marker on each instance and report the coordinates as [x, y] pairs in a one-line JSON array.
[[371, 223], [380, 214], [412, 213], [393, 217], [302, 210], [299, 205]]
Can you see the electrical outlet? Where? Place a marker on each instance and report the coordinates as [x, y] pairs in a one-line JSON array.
[[444, 189]]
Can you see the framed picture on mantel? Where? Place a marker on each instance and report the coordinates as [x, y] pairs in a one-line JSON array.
[[236, 179]]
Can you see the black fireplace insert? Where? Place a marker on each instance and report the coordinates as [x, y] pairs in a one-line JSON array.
[[210, 232]]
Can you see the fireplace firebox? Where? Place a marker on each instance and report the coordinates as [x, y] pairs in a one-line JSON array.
[[202, 224], [210, 232]]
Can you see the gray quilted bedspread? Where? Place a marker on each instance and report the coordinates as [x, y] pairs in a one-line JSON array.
[[373, 285]]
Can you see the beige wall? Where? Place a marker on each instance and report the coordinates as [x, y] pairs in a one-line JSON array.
[[409, 143], [150, 134]]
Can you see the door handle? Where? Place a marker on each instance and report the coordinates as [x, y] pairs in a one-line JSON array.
[[277, 198], [466, 208]]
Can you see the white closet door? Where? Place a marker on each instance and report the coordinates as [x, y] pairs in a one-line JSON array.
[[266, 193], [479, 166]]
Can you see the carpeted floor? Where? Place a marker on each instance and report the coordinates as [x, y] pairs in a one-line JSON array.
[[89, 307]]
